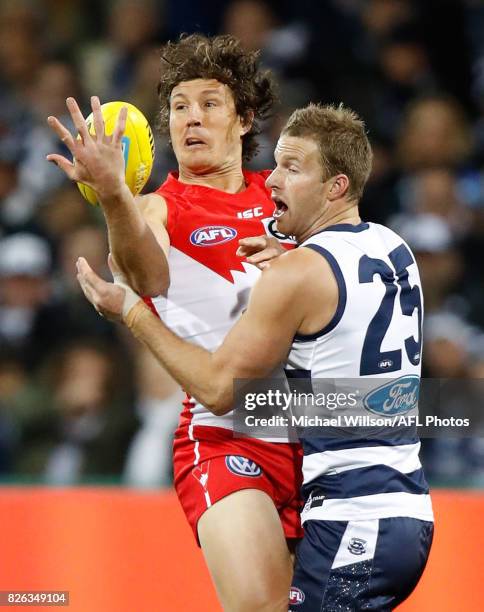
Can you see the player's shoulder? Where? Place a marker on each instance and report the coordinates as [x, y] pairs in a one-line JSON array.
[[256, 175], [370, 228], [296, 268], [298, 279], [153, 207], [388, 237]]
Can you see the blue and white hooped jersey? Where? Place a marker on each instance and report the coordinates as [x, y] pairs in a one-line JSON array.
[[375, 333]]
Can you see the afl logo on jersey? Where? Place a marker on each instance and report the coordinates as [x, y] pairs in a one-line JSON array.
[[211, 235], [242, 466], [385, 363]]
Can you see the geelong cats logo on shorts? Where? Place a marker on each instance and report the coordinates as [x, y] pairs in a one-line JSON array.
[[357, 546], [242, 466]]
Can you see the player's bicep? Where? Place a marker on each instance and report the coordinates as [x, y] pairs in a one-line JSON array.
[[155, 213], [262, 338]]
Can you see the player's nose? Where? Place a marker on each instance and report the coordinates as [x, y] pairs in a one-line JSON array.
[[271, 180], [194, 115]]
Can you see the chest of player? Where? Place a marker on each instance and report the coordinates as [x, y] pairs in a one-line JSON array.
[[209, 232]]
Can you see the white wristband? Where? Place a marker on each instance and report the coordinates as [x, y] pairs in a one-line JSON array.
[[130, 298]]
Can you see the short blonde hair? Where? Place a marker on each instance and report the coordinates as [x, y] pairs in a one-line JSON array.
[[341, 136]]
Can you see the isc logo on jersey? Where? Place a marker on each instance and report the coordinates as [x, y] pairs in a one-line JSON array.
[[250, 213], [212, 234]]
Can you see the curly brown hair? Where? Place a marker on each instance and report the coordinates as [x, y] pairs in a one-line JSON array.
[[222, 58]]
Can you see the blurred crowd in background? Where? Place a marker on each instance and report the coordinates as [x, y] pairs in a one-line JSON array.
[[79, 400]]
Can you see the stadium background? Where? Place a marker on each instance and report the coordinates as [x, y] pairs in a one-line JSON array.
[[80, 404]]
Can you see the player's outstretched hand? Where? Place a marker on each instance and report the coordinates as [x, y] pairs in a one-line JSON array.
[[260, 250], [111, 300], [97, 158]]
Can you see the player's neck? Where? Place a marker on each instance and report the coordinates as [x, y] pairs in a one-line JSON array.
[[349, 216], [228, 179]]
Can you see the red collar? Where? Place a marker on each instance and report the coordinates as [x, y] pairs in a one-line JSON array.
[[174, 185]]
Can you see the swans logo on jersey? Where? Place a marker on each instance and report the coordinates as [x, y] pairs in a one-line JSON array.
[[242, 466], [296, 596], [200, 472], [395, 397], [270, 227], [212, 234]]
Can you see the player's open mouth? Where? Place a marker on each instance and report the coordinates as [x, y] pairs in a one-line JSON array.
[[280, 208], [194, 142]]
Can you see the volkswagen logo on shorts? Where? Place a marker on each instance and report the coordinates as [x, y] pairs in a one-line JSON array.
[[242, 466], [212, 234], [296, 596]]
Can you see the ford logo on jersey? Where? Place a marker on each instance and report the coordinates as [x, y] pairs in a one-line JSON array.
[[395, 397], [212, 234]]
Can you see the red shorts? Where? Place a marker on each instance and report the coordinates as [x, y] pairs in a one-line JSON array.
[[208, 469]]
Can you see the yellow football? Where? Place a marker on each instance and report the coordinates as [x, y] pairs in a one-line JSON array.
[[137, 142]]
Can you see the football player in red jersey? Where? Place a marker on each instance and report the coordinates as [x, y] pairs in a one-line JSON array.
[[241, 497]]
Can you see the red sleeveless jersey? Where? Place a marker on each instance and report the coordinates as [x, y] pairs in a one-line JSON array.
[[209, 283]]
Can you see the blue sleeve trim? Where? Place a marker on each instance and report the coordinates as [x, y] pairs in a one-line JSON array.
[[344, 227], [341, 295]]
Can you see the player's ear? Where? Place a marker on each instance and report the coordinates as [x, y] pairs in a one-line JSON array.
[[246, 122], [339, 187]]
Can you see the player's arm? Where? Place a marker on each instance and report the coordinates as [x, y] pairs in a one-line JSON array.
[[137, 235], [296, 293], [140, 243], [253, 348], [257, 343]]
